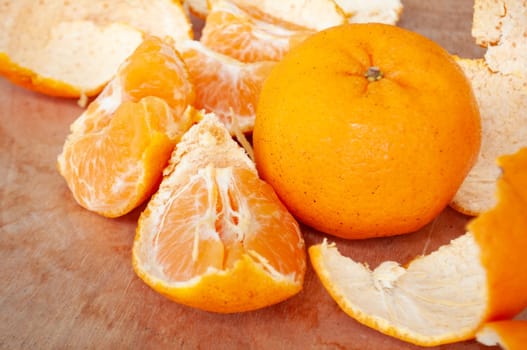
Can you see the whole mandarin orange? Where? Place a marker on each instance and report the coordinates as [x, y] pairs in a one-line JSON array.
[[366, 130]]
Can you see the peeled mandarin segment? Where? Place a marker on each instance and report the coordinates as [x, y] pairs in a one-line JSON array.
[[115, 154], [234, 32], [215, 236], [501, 100], [59, 49], [379, 11], [510, 335], [116, 170], [225, 86], [445, 296], [154, 68]]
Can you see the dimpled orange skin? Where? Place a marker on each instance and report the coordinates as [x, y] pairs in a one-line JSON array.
[[358, 158]]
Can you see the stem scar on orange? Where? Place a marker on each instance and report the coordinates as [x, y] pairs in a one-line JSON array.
[[366, 130]]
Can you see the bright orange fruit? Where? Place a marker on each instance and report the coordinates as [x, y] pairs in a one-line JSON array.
[[247, 36], [215, 236], [115, 154], [225, 86], [353, 132], [449, 294]]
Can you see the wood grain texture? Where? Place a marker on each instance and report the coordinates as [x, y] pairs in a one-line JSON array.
[[66, 275]]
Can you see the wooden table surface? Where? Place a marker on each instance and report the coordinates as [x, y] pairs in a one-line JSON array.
[[66, 275]]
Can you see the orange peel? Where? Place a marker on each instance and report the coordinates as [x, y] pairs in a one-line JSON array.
[[449, 294], [71, 49]]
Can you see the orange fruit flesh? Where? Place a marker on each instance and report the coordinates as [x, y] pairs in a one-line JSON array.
[[420, 303], [236, 33], [218, 204], [135, 149], [215, 236], [225, 86], [114, 157]]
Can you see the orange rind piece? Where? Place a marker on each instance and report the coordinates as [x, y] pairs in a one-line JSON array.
[[501, 27], [509, 334], [449, 294], [499, 82], [73, 49], [379, 11], [307, 14]]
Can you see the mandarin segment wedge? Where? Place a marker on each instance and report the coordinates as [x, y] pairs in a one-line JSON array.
[[215, 236], [448, 295], [225, 86], [114, 156], [245, 36], [73, 48]]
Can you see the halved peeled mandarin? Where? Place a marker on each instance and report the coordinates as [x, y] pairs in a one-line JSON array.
[[448, 295], [114, 156], [215, 236]]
